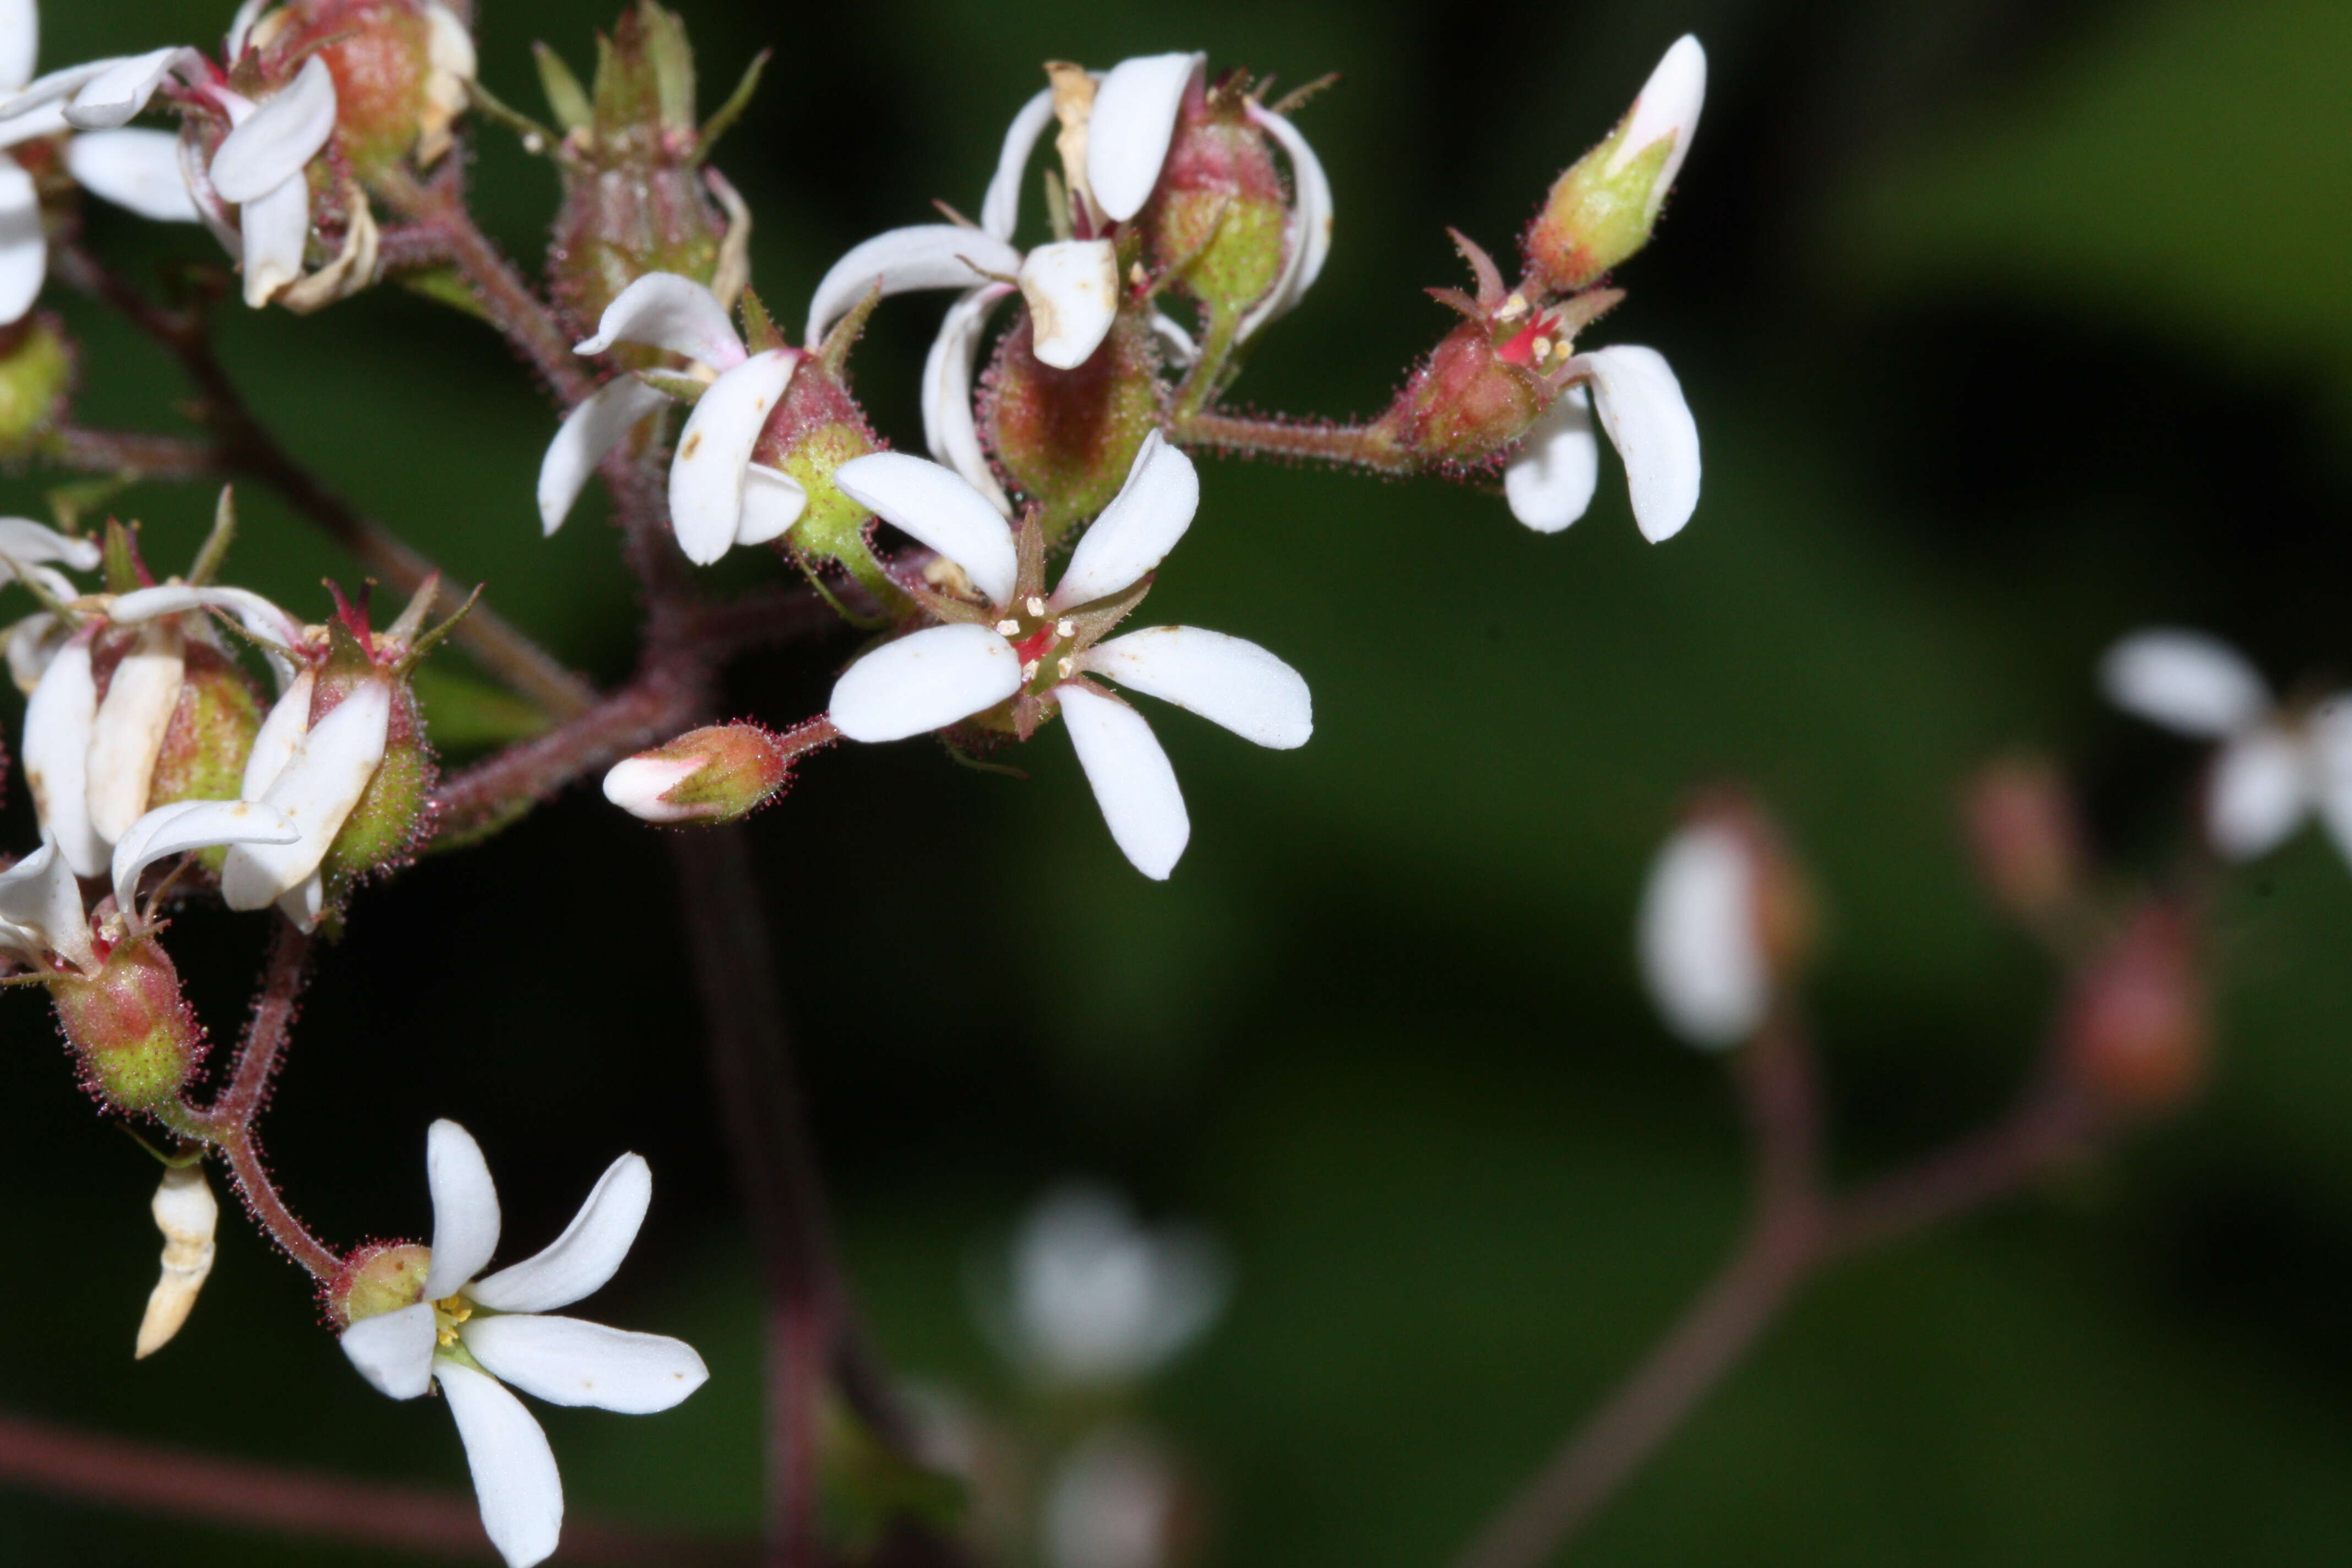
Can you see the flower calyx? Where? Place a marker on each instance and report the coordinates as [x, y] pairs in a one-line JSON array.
[[719, 774]]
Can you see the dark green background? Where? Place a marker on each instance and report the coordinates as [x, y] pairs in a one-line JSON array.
[[2010, 326]]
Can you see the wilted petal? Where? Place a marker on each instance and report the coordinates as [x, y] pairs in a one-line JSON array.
[[926, 256], [1000, 211], [939, 507], [279, 139], [279, 737], [663, 310], [1309, 239], [1137, 529], [566, 1362], [316, 788], [24, 248], [1132, 780], [116, 94], [589, 1253], [273, 231], [587, 434], [1072, 290], [1134, 119], [1668, 106], [133, 168], [948, 428], [394, 1350], [1699, 947], [2263, 785], [2187, 682], [1550, 483], [58, 719], [25, 541], [924, 682], [40, 899], [465, 1209], [1640, 405], [20, 42], [186, 825], [707, 474], [515, 1479], [1222, 679], [772, 501], [127, 737]]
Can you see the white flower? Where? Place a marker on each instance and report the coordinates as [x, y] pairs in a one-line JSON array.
[[1042, 648], [1550, 482], [719, 498], [2275, 766], [1701, 951], [1668, 107], [1072, 286], [473, 1336], [1114, 1501], [1097, 1298], [314, 774]]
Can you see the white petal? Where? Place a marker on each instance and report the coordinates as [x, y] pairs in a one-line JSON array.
[[1097, 1298], [1699, 952], [947, 425], [1134, 119], [2332, 742], [188, 825], [394, 1350], [1174, 338], [24, 248], [1000, 211], [257, 614], [1133, 781], [218, 215], [303, 902], [279, 738], [939, 507], [465, 1209], [32, 643], [54, 88], [772, 501], [926, 256], [1640, 405], [40, 899], [240, 28], [1072, 290], [924, 682], [2261, 788], [59, 718], [44, 119], [515, 1479], [1113, 1500], [279, 139], [127, 737], [637, 785], [663, 310], [318, 787], [133, 168], [22, 540], [566, 1362], [707, 474], [1550, 482], [20, 42], [589, 1253], [1668, 106], [2187, 682], [116, 94], [587, 434], [1308, 242], [1137, 529], [273, 232], [1222, 679]]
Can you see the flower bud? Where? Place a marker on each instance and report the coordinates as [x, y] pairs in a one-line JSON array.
[[380, 1277], [136, 1035], [2027, 844], [188, 1215], [401, 70], [37, 377], [1218, 223], [2136, 1030], [1468, 401], [1726, 923], [1067, 437], [1601, 210], [705, 776]]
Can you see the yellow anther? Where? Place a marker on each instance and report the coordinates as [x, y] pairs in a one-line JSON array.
[[1036, 606], [1543, 349], [1513, 309], [1008, 629], [1069, 668], [1029, 671], [1065, 628]]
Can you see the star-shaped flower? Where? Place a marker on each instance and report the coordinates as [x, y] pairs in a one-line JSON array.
[[1028, 653], [419, 1317]]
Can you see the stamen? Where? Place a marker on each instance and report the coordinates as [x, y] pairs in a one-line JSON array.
[[1066, 668], [1137, 276], [1513, 309], [1008, 629], [1036, 605], [1029, 671], [1065, 628], [1543, 349]]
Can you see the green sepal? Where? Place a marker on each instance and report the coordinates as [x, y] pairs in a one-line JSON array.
[[567, 100]]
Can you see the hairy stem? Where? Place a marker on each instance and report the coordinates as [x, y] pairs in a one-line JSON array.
[[131, 454], [495, 793], [1349, 446]]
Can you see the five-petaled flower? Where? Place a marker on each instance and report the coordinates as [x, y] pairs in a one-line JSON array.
[[419, 1317], [2278, 764], [1028, 652]]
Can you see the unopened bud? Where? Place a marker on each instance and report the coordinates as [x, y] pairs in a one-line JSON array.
[[705, 777], [381, 1278], [1468, 401], [2136, 1029], [1067, 437], [1219, 220], [401, 70], [1601, 210], [136, 1037], [1726, 922], [36, 375], [2027, 844], [186, 1212]]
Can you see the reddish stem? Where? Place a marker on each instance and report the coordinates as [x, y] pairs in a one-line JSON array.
[[1349, 446]]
